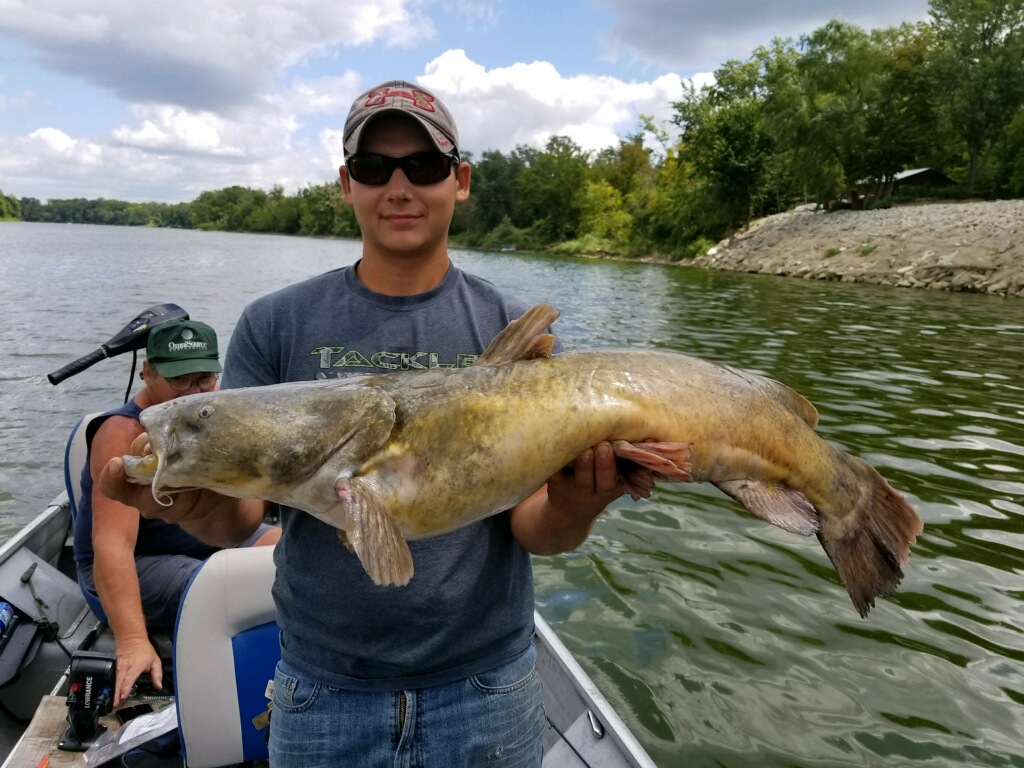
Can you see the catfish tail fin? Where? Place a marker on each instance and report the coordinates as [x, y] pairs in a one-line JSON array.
[[869, 544]]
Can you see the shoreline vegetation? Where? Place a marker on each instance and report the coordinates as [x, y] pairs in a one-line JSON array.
[[903, 125], [971, 247]]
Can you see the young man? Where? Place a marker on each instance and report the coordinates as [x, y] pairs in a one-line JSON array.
[[138, 568], [440, 672]]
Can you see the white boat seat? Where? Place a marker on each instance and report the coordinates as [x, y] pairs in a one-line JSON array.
[[226, 648], [76, 453]]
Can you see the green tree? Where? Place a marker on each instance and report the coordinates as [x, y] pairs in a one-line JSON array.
[[323, 212], [275, 213], [978, 72], [602, 213], [1009, 173], [626, 167], [725, 142], [630, 169], [493, 184], [901, 124], [841, 75], [548, 188], [32, 209], [230, 209], [10, 208], [800, 167]]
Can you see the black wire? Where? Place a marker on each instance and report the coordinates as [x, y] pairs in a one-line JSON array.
[[50, 632], [552, 724], [62, 647], [131, 376]]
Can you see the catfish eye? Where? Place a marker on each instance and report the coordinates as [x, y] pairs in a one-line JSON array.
[[206, 411]]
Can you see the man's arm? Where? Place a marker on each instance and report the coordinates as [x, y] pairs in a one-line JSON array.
[[559, 516], [115, 530]]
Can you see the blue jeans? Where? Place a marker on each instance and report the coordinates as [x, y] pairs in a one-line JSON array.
[[492, 719]]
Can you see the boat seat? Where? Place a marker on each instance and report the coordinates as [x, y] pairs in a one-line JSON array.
[[76, 453], [226, 649]]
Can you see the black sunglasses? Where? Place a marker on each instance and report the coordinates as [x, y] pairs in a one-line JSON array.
[[421, 168]]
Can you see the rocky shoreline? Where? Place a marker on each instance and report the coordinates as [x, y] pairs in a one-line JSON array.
[[975, 247]]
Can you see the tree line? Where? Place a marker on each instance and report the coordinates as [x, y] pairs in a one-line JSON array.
[[829, 118], [10, 207]]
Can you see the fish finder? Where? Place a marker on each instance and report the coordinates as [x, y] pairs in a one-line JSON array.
[[90, 696]]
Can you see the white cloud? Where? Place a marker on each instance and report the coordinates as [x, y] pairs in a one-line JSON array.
[[474, 13], [53, 141], [201, 54], [526, 104], [223, 92], [292, 136], [319, 96], [53, 164], [173, 129]]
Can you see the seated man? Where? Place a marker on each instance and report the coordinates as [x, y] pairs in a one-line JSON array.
[[139, 567]]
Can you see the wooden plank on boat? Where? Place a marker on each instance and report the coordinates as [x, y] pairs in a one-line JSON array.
[[42, 735]]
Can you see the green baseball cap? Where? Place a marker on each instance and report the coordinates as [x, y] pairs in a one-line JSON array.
[[183, 347]]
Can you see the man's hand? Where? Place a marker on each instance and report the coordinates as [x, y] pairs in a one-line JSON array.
[[134, 657], [221, 521], [559, 516], [114, 484], [582, 491]]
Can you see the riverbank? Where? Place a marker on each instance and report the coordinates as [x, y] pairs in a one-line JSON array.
[[976, 247]]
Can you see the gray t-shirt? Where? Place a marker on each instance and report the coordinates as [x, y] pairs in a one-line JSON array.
[[469, 606]]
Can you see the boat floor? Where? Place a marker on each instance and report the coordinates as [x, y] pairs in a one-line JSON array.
[[46, 729], [41, 737]]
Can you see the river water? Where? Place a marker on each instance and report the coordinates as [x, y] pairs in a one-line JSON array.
[[722, 640]]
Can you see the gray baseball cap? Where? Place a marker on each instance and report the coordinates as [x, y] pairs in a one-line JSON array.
[[401, 97]]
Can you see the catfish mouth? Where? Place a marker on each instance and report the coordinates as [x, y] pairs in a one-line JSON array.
[[160, 496], [165, 449]]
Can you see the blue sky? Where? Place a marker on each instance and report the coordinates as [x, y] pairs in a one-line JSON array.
[[144, 101]]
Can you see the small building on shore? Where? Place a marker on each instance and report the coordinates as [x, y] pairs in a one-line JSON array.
[[929, 178], [904, 181]]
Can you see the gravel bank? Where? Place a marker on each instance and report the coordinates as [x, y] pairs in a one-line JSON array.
[[976, 247]]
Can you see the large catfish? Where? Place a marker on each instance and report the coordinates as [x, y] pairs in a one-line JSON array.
[[398, 456]]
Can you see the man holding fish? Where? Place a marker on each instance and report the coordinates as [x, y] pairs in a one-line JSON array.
[[139, 568], [442, 668]]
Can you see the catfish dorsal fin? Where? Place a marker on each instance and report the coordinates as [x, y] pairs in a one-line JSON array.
[[523, 338]]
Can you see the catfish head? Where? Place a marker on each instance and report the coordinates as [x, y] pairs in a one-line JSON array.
[[261, 442]]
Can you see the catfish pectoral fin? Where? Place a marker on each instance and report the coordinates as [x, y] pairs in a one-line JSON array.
[[647, 462], [668, 461], [373, 533]]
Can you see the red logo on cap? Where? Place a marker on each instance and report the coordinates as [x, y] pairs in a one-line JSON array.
[[380, 96]]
